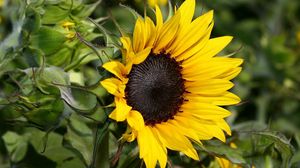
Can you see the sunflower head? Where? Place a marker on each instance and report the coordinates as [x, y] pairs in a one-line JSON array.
[[170, 84], [155, 86]]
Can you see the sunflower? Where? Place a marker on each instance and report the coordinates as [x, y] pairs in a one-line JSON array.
[[157, 2], [298, 37], [169, 85]]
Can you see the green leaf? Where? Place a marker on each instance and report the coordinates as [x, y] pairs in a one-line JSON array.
[[10, 112], [54, 75], [61, 57], [54, 14], [75, 162], [101, 152], [33, 20], [68, 145], [281, 144], [110, 39], [83, 54], [34, 57], [81, 145], [98, 90], [54, 149], [78, 125], [296, 158], [84, 10], [35, 2], [223, 150], [47, 115], [47, 78], [68, 4], [52, 2], [34, 159], [258, 143], [80, 100], [16, 145], [48, 40], [134, 13]]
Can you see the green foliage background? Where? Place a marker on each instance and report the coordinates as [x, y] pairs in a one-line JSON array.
[[53, 112]]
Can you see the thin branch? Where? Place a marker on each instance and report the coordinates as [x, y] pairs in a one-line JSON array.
[[90, 45], [117, 155]]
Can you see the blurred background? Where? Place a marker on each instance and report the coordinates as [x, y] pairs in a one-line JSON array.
[[51, 107]]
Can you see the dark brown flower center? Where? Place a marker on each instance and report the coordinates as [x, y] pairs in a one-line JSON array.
[[155, 88]]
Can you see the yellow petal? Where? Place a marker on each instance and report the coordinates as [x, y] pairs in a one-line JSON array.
[[129, 135], [151, 32], [162, 154], [213, 47], [159, 17], [114, 86], [209, 69], [186, 131], [138, 36], [151, 149], [224, 126], [233, 145], [197, 47], [194, 33], [209, 87], [142, 140], [224, 163], [126, 42], [230, 62], [234, 62], [152, 2], [135, 120], [129, 58], [205, 128], [170, 137], [128, 66], [185, 122], [230, 74], [121, 111], [186, 9], [116, 68], [204, 111], [150, 160], [224, 99], [167, 33], [141, 56]]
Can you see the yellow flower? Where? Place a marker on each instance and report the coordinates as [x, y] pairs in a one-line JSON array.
[[157, 2], [169, 86], [224, 163], [298, 37], [69, 29], [68, 25]]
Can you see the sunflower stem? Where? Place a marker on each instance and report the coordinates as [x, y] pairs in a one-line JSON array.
[[90, 45], [116, 158]]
